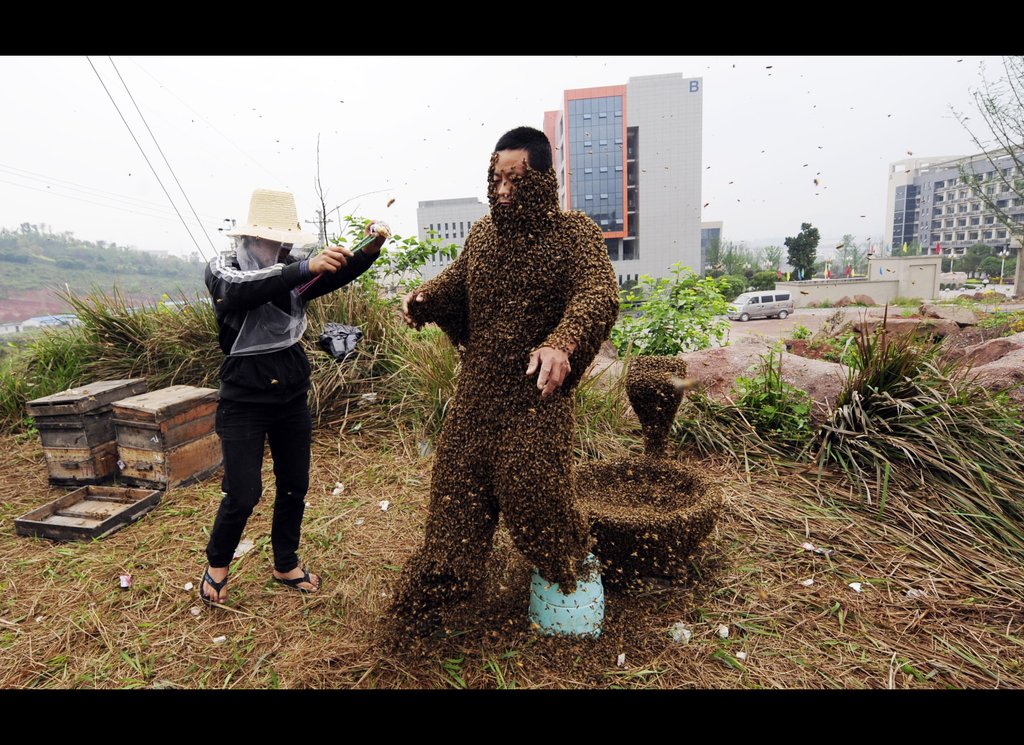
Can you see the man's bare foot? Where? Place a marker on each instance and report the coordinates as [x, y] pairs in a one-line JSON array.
[[208, 592], [299, 578]]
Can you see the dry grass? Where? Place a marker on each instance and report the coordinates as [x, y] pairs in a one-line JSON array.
[[964, 632]]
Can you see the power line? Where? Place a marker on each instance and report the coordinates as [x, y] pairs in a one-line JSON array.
[[210, 124], [160, 150], [87, 190], [145, 157], [88, 201]]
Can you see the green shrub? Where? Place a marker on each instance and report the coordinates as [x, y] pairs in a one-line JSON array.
[[679, 313]]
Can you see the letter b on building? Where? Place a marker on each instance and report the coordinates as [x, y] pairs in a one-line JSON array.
[[694, 86]]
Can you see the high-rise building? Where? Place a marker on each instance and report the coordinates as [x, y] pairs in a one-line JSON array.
[[630, 157], [448, 221], [932, 202]]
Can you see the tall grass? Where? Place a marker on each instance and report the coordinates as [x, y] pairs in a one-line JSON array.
[[907, 418]]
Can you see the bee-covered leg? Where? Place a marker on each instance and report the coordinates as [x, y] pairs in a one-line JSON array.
[[463, 515], [534, 486]]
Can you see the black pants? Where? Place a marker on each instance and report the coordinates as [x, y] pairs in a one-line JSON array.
[[243, 430]]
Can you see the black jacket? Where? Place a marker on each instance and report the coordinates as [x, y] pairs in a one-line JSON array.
[[281, 375]]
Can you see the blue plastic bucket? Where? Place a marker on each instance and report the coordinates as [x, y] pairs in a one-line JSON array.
[[578, 614]]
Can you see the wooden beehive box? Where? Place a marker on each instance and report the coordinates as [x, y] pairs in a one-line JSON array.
[[77, 431], [166, 438], [86, 513]]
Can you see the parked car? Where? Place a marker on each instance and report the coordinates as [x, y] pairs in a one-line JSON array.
[[767, 304]]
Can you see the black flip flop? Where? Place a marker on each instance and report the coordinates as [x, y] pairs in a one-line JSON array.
[[218, 586], [294, 583]]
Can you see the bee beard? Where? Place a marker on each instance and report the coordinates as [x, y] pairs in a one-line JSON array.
[[532, 208]]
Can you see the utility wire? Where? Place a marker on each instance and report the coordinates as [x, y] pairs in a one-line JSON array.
[[89, 191], [161, 151], [198, 247]]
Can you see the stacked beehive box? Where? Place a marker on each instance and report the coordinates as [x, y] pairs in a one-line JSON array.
[[166, 438], [77, 430]]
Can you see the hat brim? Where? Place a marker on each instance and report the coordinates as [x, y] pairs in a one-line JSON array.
[[293, 237]]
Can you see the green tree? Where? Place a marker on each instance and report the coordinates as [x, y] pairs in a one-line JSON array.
[[763, 280], [735, 257], [771, 257], [973, 257], [1001, 106], [990, 266], [731, 285], [803, 249]]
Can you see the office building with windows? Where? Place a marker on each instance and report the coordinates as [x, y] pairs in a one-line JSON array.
[[630, 157], [448, 221], [931, 202]]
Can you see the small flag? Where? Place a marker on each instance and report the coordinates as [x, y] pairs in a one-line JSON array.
[[828, 274], [938, 249], [788, 274], [904, 246], [880, 271]]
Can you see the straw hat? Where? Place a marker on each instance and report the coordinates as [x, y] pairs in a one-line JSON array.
[[272, 215]]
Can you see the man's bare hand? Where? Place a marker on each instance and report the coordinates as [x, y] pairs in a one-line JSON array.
[[554, 366], [413, 297], [331, 259]]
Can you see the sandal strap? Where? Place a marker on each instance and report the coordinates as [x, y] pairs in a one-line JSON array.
[[296, 581], [218, 586]]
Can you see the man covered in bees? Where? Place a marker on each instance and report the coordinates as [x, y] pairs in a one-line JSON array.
[[529, 301]]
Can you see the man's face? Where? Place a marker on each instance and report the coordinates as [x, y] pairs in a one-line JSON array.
[[510, 165], [268, 252]]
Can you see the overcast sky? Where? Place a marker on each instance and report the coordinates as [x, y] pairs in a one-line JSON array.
[[413, 129]]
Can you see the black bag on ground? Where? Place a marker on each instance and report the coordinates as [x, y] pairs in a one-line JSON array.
[[339, 340]]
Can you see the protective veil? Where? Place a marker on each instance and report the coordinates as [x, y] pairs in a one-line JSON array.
[[268, 327]]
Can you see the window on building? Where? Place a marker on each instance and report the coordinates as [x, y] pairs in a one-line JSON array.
[[618, 168], [960, 237], [975, 221], [962, 222], [587, 116], [973, 235], [1000, 234], [604, 196], [604, 169], [987, 235], [588, 170], [1001, 203], [603, 115], [976, 207], [947, 236], [990, 220], [588, 197], [618, 113]]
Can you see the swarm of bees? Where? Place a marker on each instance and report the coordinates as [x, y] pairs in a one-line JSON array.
[[655, 386]]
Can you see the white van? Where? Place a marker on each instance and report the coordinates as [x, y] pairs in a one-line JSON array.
[[765, 304]]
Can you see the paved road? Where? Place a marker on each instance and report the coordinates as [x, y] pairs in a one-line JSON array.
[[813, 318]]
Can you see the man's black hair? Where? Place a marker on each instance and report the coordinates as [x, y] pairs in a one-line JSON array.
[[533, 141]]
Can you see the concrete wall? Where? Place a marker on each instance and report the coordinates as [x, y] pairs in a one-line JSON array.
[[918, 276], [816, 290], [888, 278]]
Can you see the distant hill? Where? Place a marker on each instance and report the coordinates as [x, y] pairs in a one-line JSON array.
[[34, 261]]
